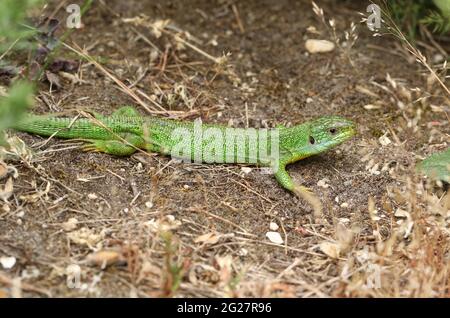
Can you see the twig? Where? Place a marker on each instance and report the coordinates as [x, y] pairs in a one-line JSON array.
[[196, 209], [238, 18], [251, 190], [196, 49]]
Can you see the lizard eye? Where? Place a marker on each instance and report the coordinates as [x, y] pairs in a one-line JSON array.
[[333, 131], [312, 141]]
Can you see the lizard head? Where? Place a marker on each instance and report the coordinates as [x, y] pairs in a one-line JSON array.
[[328, 132], [320, 135]]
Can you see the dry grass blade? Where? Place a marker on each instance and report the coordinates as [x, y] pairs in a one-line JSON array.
[[121, 85], [394, 29]]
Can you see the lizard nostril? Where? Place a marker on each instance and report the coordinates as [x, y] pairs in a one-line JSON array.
[[312, 141]]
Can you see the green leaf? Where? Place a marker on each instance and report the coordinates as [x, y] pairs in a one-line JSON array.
[[437, 166], [12, 17], [13, 106], [444, 6]]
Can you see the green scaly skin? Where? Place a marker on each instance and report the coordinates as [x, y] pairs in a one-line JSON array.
[[125, 131]]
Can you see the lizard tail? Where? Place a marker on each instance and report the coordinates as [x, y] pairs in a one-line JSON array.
[[61, 127]]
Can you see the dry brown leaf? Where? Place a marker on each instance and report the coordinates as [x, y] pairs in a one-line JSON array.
[[225, 268], [85, 236], [17, 149], [3, 170], [70, 225], [330, 249], [53, 79], [105, 258], [344, 237], [208, 238], [7, 190]]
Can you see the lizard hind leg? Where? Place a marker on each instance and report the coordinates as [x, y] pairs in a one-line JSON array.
[[125, 147], [126, 111]]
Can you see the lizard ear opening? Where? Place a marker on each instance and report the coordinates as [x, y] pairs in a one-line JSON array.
[[312, 141]]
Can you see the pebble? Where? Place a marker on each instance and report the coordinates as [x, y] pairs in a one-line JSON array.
[[7, 262], [319, 46], [246, 170], [92, 196], [273, 226], [274, 237]]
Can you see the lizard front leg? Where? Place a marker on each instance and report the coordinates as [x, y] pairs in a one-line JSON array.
[[285, 180]]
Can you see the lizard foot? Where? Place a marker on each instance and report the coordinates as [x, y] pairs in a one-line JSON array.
[[309, 196], [304, 189], [94, 146], [112, 147], [89, 148]]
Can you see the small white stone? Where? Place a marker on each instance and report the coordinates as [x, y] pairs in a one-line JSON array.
[[149, 204], [7, 262], [312, 29], [273, 226], [323, 183], [309, 100], [274, 237], [371, 106], [246, 170], [344, 205], [399, 213], [344, 220], [20, 214], [243, 252], [437, 58], [92, 196], [384, 140], [70, 225], [319, 46], [30, 272]]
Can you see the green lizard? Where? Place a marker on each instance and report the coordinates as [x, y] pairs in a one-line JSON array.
[[126, 131]]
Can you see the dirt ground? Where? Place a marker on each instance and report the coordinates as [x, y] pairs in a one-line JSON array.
[[90, 224]]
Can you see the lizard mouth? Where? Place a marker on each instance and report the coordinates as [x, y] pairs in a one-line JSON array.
[[345, 134]]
